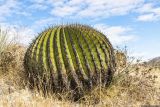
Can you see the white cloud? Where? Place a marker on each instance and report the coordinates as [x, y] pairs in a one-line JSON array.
[[146, 17], [90, 9], [38, 5], [118, 35], [18, 34], [75, 2], [64, 11], [25, 35], [94, 8], [7, 8], [99, 9], [139, 55], [44, 23], [38, 1], [143, 55], [149, 12]]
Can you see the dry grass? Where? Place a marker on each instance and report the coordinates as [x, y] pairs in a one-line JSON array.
[[132, 86], [135, 89]]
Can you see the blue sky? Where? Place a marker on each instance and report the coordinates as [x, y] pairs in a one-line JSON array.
[[134, 23]]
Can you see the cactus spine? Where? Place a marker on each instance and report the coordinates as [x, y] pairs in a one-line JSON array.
[[69, 57]]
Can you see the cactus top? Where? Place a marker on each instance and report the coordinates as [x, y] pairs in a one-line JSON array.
[[71, 54]]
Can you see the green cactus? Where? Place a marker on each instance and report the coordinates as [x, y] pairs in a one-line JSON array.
[[69, 57]]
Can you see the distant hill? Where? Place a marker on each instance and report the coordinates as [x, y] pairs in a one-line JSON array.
[[154, 62]]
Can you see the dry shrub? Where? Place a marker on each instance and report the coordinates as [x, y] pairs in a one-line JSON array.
[[11, 64], [121, 59], [132, 86], [135, 86], [24, 98]]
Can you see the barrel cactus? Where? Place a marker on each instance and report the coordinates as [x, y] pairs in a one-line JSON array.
[[69, 57]]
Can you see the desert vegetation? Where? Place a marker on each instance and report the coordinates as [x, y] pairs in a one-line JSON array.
[[132, 85]]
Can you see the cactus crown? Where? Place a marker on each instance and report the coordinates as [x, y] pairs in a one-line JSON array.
[[69, 56]]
